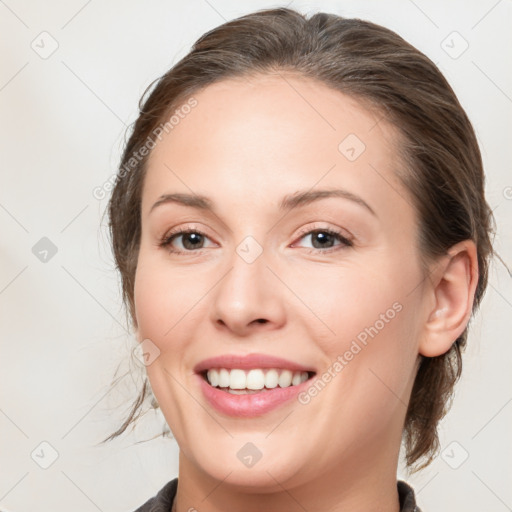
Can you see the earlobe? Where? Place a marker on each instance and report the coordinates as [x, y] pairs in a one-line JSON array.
[[454, 287]]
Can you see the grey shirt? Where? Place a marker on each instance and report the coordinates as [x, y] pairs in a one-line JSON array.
[[162, 502]]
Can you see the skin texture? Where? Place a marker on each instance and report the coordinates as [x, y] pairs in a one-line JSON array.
[[247, 145]]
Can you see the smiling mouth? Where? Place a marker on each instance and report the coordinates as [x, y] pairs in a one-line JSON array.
[[245, 382]]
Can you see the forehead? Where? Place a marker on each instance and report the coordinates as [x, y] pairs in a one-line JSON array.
[[286, 107], [273, 135]]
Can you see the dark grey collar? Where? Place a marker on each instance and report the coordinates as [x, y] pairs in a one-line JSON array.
[[162, 502]]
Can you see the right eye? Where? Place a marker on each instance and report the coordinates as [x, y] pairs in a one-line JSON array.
[[191, 240]]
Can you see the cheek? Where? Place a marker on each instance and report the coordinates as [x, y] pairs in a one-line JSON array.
[[164, 298], [372, 332], [152, 304], [351, 302]]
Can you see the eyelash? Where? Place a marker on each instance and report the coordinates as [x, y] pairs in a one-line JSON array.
[[167, 239]]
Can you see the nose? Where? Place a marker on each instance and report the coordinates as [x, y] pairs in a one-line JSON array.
[[248, 298]]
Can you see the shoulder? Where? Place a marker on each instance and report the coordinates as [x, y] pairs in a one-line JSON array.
[[162, 501], [407, 497]]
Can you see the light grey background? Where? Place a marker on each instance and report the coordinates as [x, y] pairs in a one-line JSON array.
[[63, 118]]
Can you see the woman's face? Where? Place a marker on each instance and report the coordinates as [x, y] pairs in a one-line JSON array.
[[274, 278]]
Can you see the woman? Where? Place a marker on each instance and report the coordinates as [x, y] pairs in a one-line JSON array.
[[300, 225]]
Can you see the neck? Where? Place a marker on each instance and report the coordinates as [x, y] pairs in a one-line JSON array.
[[365, 482]]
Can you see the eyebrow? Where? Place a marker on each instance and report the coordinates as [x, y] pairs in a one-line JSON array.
[[289, 202]]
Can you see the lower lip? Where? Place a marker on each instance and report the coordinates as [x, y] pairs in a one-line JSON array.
[[250, 405]]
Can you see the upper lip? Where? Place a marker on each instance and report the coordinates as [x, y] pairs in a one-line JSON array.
[[249, 361]]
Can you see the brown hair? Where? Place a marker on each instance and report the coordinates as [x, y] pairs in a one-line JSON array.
[[376, 66]]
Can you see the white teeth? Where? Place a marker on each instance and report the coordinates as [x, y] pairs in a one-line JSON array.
[[255, 379], [239, 381], [271, 379], [285, 379], [213, 377], [296, 380], [223, 378]]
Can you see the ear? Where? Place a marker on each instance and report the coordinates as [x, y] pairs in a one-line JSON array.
[[454, 285]]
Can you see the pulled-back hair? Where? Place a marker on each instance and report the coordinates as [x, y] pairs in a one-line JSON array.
[[441, 162]]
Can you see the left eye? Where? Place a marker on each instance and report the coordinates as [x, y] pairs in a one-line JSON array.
[[325, 238]]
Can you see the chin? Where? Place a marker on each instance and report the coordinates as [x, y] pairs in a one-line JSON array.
[[243, 466], [260, 479]]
